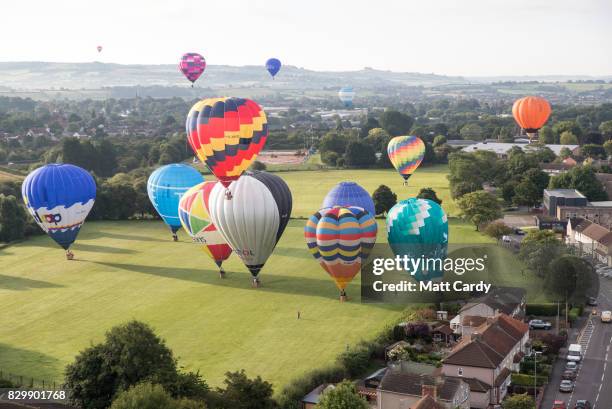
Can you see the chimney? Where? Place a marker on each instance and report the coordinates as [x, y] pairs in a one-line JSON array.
[[476, 336], [429, 390]]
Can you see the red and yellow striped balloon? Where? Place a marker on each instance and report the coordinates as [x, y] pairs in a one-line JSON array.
[[406, 154], [227, 134]]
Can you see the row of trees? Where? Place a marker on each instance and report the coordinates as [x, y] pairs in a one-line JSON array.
[[133, 368]]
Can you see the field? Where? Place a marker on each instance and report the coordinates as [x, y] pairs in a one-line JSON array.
[[51, 308]]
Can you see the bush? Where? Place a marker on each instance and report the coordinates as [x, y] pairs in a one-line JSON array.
[[527, 380], [150, 396], [546, 310], [574, 313], [257, 165]]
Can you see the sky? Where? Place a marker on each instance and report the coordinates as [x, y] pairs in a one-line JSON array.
[[450, 37]]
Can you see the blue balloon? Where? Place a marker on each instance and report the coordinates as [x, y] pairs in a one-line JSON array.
[[166, 185], [273, 65], [59, 197], [348, 194]]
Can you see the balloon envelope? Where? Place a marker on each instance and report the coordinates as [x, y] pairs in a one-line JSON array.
[[273, 65], [406, 154], [99, 48], [192, 65], [193, 212], [59, 197], [348, 194], [166, 186], [253, 220], [419, 228], [346, 95], [531, 113], [340, 239], [227, 134]]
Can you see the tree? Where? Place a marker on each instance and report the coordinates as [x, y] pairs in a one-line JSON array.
[[567, 126], [257, 165], [608, 147], [151, 396], [546, 135], [378, 138], [333, 142], [538, 248], [583, 179], [570, 278], [472, 131], [568, 138], [396, 123], [370, 123], [360, 154], [593, 151], [530, 189], [606, 129], [497, 230], [384, 199], [479, 207], [429, 193], [519, 401], [12, 219], [342, 396], [565, 152], [240, 392], [130, 354], [439, 140]]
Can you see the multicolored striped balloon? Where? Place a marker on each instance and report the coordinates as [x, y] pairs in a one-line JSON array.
[[406, 154], [227, 134], [340, 239], [192, 65], [193, 212]]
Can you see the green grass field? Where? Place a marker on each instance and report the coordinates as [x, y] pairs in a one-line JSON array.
[[51, 308]]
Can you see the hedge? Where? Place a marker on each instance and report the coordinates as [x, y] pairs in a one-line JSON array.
[[545, 310], [527, 380]]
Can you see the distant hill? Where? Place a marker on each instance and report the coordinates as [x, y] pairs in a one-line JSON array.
[[95, 75]]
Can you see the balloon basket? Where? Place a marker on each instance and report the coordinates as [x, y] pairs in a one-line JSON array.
[[69, 255], [228, 194], [221, 274], [343, 298], [174, 237], [255, 283]]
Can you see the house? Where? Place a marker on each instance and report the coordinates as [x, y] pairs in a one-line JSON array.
[[401, 390], [507, 300], [591, 239], [606, 181], [554, 169], [444, 334], [562, 197], [311, 400], [486, 357]]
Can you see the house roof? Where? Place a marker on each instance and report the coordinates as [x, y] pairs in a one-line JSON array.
[[427, 402], [444, 329], [503, 375], [489, 344], [411, 384], [473, 320], [566, 193], [502, 148], [315, 394], [476, 385], [504, 299]]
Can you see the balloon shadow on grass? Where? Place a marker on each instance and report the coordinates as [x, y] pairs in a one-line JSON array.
[[130, 237], [23, 284], [275, 283], [102, 249]]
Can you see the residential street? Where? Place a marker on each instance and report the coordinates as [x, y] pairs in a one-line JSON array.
[[594, 381]]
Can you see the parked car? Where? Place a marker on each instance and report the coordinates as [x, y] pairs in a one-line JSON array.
[[571, 365], [574, 352], [569, 375], [566, 386], [606, 316], [558, 404], [592, 302], [539, 324], [519, 232], [582, 404]]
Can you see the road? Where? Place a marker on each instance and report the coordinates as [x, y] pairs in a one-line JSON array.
[[594, 380]]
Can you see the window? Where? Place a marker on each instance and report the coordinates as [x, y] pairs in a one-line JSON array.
[[460, 371]]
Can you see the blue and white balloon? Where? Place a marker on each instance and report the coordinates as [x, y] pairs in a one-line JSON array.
[[347, 194], [59, 197], [166, 186]]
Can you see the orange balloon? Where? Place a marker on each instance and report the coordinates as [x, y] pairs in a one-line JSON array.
[[531, 113]]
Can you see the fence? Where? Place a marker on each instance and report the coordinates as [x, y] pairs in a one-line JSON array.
[[29, 382]]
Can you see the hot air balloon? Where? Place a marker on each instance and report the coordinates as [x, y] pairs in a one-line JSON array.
[[99, 48], [227, 134], [59, 197], [341, 239], [193, 212], [346, 95], [418, 228], [254, 219], [273, 65], [165, 187], [349, 194], [531, 113], [192, 65], [406, 154]]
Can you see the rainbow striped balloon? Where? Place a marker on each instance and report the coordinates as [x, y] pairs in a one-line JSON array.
[[340, 239], [406, 154]]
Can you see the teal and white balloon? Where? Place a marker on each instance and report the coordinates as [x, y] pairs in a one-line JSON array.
[[418, 228]]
